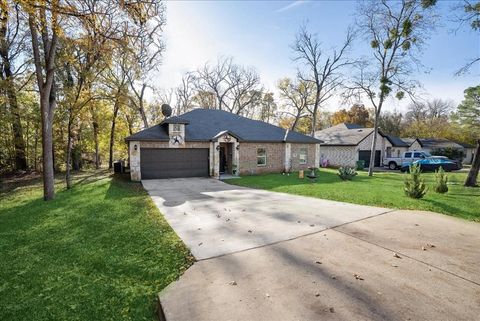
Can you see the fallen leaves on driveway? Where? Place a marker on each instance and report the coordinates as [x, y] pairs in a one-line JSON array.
[[358, 277]]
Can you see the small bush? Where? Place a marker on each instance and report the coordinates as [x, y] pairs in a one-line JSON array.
[[441, 180], [346, 173], [414, 185]]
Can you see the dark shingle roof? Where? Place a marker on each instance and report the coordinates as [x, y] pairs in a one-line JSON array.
[[205, 124], [175, 120], [343, 134], [397, 141], [437, 143], [466, 145]]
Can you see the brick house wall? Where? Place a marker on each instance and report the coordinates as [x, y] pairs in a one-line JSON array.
[[295, 156], [248, 158]]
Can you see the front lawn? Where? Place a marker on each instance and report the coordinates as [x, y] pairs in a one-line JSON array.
[[100, 251], [383, 189]]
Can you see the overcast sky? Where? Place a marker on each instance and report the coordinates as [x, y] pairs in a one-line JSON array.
[[259, 34]]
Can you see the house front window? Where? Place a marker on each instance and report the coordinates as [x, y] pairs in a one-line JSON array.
[[261, 157], [302, 156]]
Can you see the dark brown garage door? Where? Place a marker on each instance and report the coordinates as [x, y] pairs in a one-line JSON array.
[[172, 163], [365, 155]]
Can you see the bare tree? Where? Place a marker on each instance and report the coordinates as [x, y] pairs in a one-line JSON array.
[[296, 98], [184, 94], [321, 69], [430, 109], [234, 87], [396, 31]]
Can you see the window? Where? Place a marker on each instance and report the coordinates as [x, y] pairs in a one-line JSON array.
[[302, 156], [417, 155], [176, 127], [408, 155], [261, 157]]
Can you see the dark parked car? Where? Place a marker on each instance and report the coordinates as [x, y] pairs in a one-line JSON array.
[[432, 164]]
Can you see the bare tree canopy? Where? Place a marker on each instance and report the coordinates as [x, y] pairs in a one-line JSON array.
[[323, 70], [233, 87]]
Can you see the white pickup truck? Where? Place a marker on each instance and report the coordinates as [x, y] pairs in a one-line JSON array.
[[408, 157]]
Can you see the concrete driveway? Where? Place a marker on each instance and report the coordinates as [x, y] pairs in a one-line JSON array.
[[214, 218], [354, 263]]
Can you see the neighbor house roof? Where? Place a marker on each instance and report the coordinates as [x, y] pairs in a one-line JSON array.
[[205, 124], [465, 145], [397, 141], [437, 143], [343, 135]]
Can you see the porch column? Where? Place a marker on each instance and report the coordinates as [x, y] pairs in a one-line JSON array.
[[216, 160], [135, 173], [236, 158], [288, 157], [317, 156]]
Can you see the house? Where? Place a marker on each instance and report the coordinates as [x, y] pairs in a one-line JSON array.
[[468, 153], [430, 144], [208, 142], [345, 144], [401, 145]]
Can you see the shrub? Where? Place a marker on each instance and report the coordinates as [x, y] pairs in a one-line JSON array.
[[414, 185], [441, 180], [450, 152], [346, 173]]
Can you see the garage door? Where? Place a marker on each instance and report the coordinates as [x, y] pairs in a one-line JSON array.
[[365, 155], [172, 163]]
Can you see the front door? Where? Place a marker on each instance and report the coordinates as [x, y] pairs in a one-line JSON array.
[[223, 159]]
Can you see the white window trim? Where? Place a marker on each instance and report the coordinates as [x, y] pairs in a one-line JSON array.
[[263, 156], [300, 161]]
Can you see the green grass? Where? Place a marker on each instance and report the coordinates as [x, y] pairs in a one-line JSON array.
[[383, 189], [100, 251]]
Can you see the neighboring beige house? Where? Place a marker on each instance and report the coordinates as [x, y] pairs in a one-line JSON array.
[[345, 144], [208, 142]]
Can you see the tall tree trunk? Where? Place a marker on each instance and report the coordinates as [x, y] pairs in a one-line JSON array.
[[314, 114], [141, 107], [47, 148], [18, 140], [116, 107], [374, 144], [45, 71], [35, 149], [473, 173], [95, 139], [68, 160], [130, 124]]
